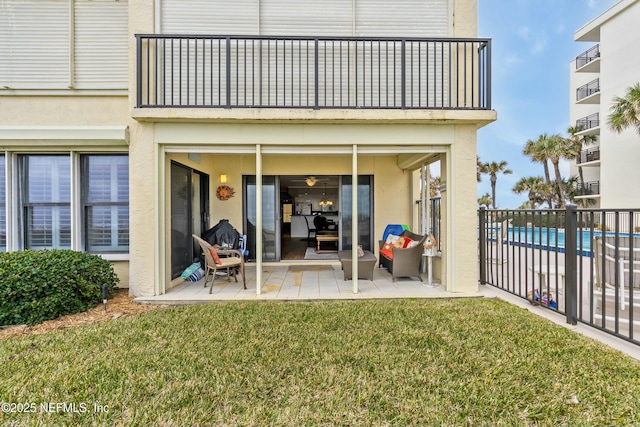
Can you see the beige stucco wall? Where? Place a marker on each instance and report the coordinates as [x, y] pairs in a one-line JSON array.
[[64, 111], [465, 18], [462, 210], [58, 121]]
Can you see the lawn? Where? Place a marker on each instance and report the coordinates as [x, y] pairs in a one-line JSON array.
[[399, 362]]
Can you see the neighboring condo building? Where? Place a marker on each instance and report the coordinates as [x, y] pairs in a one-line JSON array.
[[121, 119], [610, 65]]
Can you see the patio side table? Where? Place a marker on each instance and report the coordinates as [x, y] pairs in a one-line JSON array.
[[365, 264]]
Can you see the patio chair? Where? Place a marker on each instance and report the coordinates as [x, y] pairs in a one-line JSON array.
[[626, 266], [216, 259], [310, 230]]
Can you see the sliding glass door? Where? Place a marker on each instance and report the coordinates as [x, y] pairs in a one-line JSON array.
[[189, 214], [365, 212], [270, 217]]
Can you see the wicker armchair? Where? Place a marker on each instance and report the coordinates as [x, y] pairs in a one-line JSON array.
[[404, 262], [231, 260]]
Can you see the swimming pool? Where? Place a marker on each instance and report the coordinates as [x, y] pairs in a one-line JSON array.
[[553, 239]]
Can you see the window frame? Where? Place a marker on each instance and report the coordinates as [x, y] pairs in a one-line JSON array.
[[86, 204], [17, 183]]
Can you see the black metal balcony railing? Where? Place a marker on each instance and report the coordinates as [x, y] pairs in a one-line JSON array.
[[589, 122], [313, 72], [585, 57], [589, 89], [588, 188], [589, 155]]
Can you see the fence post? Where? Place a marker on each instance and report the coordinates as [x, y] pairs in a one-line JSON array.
[[482, 237], [570, 264]]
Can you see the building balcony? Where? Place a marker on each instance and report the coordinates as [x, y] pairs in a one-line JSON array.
[[588, 188], [231, 72], [589, 61], [587, 94], [589, 156], [589, 125]]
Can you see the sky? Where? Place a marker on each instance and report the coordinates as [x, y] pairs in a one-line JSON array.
[[532, 48]]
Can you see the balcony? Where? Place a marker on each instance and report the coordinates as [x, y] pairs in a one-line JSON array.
[[588, 188], [589, 125], [589, 155], [312, 72], [586, 94], [589, 61]]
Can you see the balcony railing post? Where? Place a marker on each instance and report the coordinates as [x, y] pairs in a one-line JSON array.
[[403, 72], [139, 73], [316, 77], [482, 242], [228, 73], [571, 261], [488, 75]]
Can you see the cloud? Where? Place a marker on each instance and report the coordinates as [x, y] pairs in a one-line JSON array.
[[537, 42], [524, 33], [591, 4]]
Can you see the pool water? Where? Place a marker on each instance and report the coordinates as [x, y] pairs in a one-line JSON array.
[[551, 237]]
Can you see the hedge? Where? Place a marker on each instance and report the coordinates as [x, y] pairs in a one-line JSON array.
[[41, 285]]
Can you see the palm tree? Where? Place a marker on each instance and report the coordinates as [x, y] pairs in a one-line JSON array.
[[625, 112], [434, 186], [558, 148], [577, 143], [485, 200], [537, 151], [493, 169], [533, 186], [479, 169]]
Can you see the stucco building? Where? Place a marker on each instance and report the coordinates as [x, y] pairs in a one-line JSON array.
[[120, 120], [605, 70]]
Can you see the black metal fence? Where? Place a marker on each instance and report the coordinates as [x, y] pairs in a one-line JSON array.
[[312, 72], [583, 263]]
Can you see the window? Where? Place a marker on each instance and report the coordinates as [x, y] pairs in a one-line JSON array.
[[62, 44], [3, 206], [46, 201], [106, 202], [97, 196]]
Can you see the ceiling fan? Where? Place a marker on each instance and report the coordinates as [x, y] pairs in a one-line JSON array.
[[311, 180]]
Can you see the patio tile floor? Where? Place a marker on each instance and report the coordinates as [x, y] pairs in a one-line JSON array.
[[305, 282]]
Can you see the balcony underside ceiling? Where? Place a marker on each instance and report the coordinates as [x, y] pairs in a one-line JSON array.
[[479, 118], [415, 161], [591, 99], [591, 131]]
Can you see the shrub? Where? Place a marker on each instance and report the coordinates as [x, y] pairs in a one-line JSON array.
[[40, 285]]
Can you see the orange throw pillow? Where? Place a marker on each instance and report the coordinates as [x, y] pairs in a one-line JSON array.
[[215, 256]]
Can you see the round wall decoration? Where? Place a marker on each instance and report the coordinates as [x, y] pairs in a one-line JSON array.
[[224, 192]]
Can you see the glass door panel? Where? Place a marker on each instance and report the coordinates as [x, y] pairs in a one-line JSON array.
[[270, 217], [365, 212]]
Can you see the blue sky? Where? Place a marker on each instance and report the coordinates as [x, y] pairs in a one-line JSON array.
[[532, 46]]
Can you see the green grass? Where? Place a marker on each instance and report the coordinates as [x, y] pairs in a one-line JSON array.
[[401, 362]]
